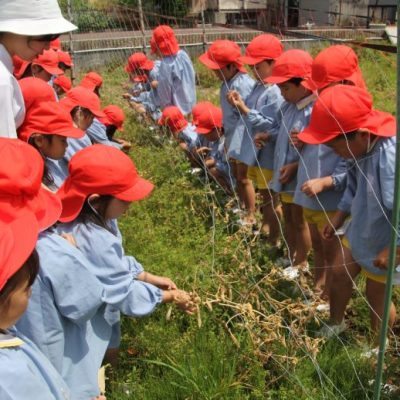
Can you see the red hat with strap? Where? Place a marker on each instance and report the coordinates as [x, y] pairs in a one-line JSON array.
[[173, 118], [206, 117]]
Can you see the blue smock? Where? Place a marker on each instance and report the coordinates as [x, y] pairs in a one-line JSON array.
[[231, 116], [65, 296], [97, 133], [264, 103], [293, 116], [318, 161], [369, 199], [177, 83], [25, 373], [190, 136]]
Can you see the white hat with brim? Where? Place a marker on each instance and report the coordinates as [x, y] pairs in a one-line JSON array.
[[41, 17]]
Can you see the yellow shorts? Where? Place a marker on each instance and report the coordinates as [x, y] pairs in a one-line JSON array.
[[260, 176], [364, 272], [319, 218], [286, 198]]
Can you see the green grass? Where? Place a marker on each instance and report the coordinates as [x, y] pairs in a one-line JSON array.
[[253, 337]]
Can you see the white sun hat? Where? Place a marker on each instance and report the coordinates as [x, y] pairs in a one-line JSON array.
[[33, 18]]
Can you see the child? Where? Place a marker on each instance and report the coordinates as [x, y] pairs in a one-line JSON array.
[[223, 57], [289, 72], [65, 295], [44, 66], [102, 184], [183, 131], [62, 84], [102, 130], [143, 95], [47, 128], [207, 118], [92, 81], [24, 371], [64, 61], [334, 65], [260, 112], [343, 119], [176, 77]]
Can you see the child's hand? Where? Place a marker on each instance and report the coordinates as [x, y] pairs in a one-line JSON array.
[[295, 141], [126, 146], [126, 86], [336, 222], [164, 283], [154, 84], [260, 139], [382, 259], [202, 151], [235, 100], [184, 301], [287, 172], [126, 96], [315, 186]]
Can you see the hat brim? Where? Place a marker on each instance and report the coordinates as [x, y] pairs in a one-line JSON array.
[[206, 60], [25, 230], [277, 79], [51, 70], [97, 113], [72, 202], [379, 123], [202, 131], [32, 27], [140, 190], [251, 60], [309, 84]]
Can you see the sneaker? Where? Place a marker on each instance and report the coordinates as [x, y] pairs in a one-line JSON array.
[[195, 171], [330, 331], [293, 272], [237, 210], [245, 222], [323, 307]]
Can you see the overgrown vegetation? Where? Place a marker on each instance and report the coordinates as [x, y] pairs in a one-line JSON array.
[[254, 336]]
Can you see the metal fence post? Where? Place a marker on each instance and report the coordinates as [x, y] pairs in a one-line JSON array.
[[203, 24], [142, 25], [71, 41]]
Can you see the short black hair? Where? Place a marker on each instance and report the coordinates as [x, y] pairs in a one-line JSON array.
[[27, 272], [296, 81]]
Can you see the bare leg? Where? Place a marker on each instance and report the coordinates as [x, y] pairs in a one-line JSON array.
[[319, 257], [332, 248], [272, 213], [303, 240], [289, 230], [375, 292], [249, 195], [344, 271]]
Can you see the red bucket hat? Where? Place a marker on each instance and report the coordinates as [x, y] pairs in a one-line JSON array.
[[18, 238], [48, 60], [65, 58], [173, 118], [49, 118], [165, 40], [34, 91], [55, 44], [64, 82], [334, 64], [291, 64], [206, 117], [103, 170], [341, 109], [139, 61], [20, 66], [91, 81], [222, 53], [114, 116], [21, 173], [262, 47], [80, 96]]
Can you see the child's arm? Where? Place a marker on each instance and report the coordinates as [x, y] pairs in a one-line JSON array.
[[235, 100], [382, 259], [315, 186], [183, 300], [261, 139], [159, 281], [210, 162]]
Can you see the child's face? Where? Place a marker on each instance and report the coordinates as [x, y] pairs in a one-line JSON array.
[[293, 93], [355, 146], [53, 147], [59, 90], [15, 306], [116, 208], [262, 70], [226, 73], [26, 47], [213, 136], [41, 73], [83, 119]]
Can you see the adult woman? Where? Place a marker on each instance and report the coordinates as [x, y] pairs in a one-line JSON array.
[[25, 32]]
